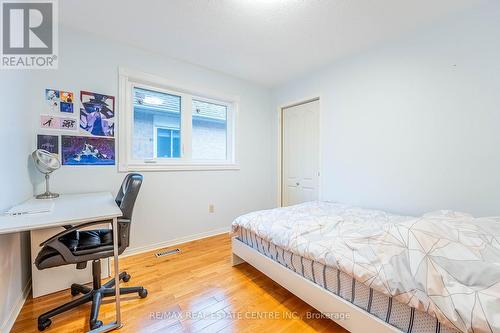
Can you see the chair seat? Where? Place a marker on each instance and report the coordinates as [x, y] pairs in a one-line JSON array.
[[92, 238], [79, 243]]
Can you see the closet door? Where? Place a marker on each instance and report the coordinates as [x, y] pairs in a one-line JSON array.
[[300, 153]]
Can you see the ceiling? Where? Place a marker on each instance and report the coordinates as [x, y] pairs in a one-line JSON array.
[[264, 41]]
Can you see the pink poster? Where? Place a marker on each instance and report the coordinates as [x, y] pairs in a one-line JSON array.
[[59, 123]]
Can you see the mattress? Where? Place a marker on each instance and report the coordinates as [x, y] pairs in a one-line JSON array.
[[444, 263], [401, 316]]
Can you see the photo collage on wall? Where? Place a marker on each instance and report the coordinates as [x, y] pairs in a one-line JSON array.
[[60, 100], [92, 141]]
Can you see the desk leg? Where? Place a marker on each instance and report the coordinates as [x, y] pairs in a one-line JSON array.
[[118, 323], [117, 272]]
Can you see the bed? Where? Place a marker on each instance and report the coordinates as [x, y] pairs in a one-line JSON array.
[[373, 271]]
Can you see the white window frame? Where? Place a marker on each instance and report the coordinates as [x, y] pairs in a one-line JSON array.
[[128, 79]]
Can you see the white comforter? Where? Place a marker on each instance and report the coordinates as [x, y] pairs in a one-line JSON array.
[[444, 263]]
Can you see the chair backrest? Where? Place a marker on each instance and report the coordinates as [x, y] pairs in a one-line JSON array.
[[128, 193], [125, 199]]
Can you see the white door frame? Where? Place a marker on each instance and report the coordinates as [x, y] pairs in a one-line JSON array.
[[279, 171]]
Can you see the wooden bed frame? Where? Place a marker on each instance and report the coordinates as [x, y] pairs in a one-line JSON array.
[[359, 321]]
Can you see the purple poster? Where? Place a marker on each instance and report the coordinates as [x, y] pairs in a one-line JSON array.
[[49, 143], [98, 114], [84, 150]]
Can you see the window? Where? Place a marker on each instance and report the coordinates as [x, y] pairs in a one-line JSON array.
[[165, 127]]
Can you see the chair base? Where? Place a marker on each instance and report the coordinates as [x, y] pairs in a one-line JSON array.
[[94, 295]]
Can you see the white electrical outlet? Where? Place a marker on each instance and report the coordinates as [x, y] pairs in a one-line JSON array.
[[211, 208]]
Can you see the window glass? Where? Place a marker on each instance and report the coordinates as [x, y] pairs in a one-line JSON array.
[[167, 143], [157, 125], [209, 138]]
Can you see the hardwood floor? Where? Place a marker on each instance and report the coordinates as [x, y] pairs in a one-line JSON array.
[[199, 284]]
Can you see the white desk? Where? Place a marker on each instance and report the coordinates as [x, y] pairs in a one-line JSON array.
[[74, 209]]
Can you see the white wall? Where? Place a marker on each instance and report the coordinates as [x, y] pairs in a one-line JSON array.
[[15, 140], [414, 126], [171, 205]]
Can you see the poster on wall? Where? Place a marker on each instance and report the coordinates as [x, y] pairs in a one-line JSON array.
[[97, 117], [66, 96], [49, 143], [84, 150], [58, 123], [52, 98]]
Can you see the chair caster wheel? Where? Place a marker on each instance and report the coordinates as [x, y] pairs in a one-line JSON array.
[[43, 324], [126, 278], [143, 293], [95, 325], [74, 292]]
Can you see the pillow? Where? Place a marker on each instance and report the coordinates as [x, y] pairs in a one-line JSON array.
[[448, 214]]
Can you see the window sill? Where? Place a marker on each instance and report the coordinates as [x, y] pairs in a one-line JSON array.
[[177, 167]]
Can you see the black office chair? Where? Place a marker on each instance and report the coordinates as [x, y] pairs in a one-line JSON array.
[[75, 246]]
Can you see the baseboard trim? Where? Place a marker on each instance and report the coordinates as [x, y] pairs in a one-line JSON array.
[[138, 250], [7, 325]]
